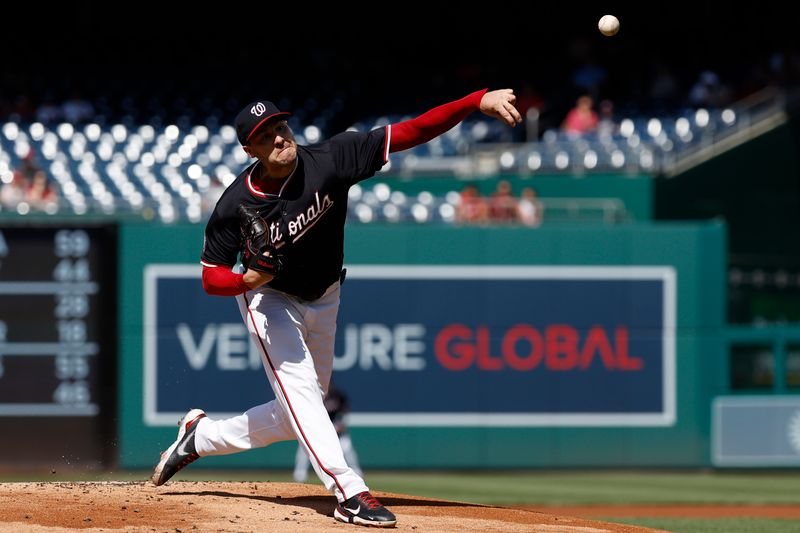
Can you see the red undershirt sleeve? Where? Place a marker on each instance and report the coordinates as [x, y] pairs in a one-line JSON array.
[[221, 281], [410, 133]]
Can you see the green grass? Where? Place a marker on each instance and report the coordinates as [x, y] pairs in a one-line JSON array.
[[714, 525], [565, 488]]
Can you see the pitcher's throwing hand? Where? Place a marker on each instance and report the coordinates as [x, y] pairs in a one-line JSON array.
[[500, 104]]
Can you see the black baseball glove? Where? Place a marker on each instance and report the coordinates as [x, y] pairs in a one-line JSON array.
[[257, 253]]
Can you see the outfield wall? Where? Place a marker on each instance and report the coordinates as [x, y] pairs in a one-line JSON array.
[[564, 346]]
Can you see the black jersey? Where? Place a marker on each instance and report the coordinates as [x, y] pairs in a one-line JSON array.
[[306, 219]]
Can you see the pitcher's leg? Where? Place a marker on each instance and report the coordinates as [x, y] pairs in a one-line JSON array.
[[257, 427], [277, 326], [321, 334]]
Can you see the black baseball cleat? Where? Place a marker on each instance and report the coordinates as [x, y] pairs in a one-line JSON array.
[[182, 452], [365, 510]]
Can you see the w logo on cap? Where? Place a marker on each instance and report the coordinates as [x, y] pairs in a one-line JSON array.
[[254, 115], [258, 109]]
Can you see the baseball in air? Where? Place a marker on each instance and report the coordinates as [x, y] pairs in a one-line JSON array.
[[608, 25]]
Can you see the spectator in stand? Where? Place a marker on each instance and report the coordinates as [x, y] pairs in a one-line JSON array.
[[48, 111], [581, 119], [40, 194], [606, 125], [473, 208], [529, 208], [77, 110], [589, 77], [502, 204], [13, 190], [29, 166], [709, 91]]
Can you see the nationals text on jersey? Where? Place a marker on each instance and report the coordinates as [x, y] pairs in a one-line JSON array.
[[304, 221]]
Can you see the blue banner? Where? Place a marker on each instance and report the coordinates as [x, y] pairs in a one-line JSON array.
[[197, 350], [435, 345]]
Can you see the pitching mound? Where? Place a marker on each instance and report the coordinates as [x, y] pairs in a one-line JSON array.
[[204, 506]]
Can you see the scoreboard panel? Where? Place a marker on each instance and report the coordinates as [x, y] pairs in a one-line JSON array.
[[57, 341]]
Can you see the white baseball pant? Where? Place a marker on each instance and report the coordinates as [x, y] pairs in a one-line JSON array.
[[296, 341], [301, 461]]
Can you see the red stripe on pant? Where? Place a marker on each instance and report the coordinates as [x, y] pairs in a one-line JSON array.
[[291, 409]]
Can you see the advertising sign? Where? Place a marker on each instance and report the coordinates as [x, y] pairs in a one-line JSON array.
[[440, 346]]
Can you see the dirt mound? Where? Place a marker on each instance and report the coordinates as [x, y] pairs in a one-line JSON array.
[[253, 507]]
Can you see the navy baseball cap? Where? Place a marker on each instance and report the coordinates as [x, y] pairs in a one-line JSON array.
[[255, 115]]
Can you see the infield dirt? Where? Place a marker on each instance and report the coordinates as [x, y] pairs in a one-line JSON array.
[[184, 506]]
